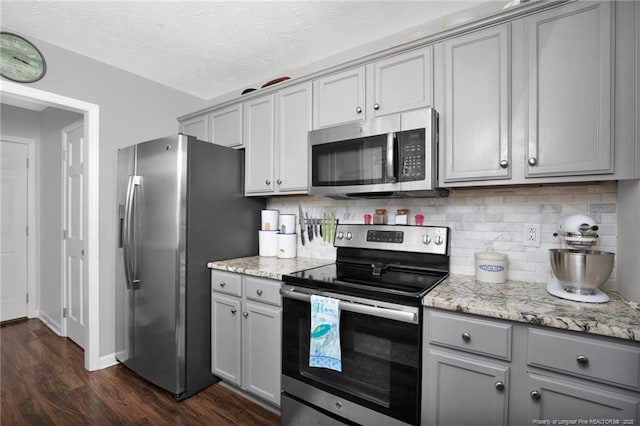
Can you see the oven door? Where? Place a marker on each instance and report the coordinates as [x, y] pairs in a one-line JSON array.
[[381, 361]]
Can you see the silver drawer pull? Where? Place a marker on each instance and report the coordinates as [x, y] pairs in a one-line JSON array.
[[233, 311], [535, 395], [582, 360], [259, 292], [245, 314], [466, 336], [500, 385], [222, 283]]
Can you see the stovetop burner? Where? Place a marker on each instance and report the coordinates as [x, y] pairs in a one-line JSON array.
[[387, 263]]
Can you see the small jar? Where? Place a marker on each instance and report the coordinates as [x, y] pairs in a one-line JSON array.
[[380, 217], [402, 216]]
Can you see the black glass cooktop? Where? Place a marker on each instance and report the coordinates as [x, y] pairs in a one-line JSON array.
[[389, 283]]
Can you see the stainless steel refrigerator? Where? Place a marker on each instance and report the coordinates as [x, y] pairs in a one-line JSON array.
[[181, 204]]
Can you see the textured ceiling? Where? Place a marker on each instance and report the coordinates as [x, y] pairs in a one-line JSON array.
[[210, 48]]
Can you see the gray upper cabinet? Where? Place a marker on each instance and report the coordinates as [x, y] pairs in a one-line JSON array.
[[472, 95], [197, 126], [275, 136], [339, 98], [570, 57], [390, 85], [226, 126]]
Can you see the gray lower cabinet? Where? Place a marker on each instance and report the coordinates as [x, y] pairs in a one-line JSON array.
[[486, 371], [246, 323], [461, 389]]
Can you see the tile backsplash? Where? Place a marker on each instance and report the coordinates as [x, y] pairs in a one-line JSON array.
[[481, 219]]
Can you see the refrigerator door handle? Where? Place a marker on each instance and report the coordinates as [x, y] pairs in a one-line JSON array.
[[129, 264]]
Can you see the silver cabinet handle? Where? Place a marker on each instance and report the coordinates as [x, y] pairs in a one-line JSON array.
[[268, 182], [279, 181], [358, 110], [504, 164], [500, 385], [466, 336], [233, 311], [222, 283], [535, 395], [582, 360], [259, 292], [376, 106], [533, 161], [245, 314]]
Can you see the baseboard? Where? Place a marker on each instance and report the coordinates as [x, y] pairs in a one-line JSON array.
[[107, 361], [53, 325]]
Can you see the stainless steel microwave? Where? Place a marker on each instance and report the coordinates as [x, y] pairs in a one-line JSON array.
[[391, 156]]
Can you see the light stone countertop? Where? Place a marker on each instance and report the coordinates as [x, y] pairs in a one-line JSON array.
[[267, 267], [530, 303]]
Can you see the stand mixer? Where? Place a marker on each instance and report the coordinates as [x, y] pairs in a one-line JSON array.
[[578, 270]]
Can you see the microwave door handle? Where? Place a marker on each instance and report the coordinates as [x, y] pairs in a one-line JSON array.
[[391, 176]]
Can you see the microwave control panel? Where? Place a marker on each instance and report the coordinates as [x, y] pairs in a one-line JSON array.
[[411, 155]]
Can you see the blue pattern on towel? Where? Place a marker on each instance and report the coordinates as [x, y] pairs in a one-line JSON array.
[[324, 345]]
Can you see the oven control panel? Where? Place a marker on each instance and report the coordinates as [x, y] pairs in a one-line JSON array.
[[419, 239]]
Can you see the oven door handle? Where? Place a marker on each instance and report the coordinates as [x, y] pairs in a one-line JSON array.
[[410, 315]]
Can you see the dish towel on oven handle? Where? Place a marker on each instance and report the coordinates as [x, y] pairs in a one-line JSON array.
[[324, 346]]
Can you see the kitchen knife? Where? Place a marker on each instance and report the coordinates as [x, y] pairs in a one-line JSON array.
[[301, 220], [309, 227]]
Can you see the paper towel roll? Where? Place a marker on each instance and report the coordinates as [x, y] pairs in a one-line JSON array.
[[268, 242], [270, 220], [287, 245]]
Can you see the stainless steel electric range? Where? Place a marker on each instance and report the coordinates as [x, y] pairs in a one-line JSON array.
[[380, 276]]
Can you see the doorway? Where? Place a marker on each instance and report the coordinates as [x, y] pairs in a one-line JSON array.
[[90, 113]]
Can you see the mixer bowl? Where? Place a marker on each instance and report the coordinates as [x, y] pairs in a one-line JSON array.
[[581, 271]]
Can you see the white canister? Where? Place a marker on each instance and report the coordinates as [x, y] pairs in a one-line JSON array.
[[268, 243], [491, 267], [270, 220], [287, 245], [287, 223]]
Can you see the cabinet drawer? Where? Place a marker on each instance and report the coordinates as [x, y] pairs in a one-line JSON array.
[[226, 282], [584, 357], [483, 337], [263, 290]]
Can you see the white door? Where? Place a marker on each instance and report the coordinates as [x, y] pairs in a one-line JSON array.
[[13, 241], [74, 274]]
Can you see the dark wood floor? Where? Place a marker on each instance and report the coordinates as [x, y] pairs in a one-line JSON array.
[[43, 382]]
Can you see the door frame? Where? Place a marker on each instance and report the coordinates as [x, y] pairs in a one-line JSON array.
[[91, 113], [32, 235]]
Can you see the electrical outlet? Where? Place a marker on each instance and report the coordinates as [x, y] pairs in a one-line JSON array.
[[531, 235]]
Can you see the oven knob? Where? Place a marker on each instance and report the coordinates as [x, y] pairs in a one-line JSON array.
[[340, 235], [438, 240], [349, 235], [426, 239]]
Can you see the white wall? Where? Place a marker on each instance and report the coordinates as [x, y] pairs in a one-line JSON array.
[[132, 109]]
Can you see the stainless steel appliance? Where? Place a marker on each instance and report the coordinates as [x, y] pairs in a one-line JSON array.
[[391, 156], [578, 270], [380, 276], [180, 205]]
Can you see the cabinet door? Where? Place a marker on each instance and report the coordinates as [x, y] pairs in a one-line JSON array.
[[474, 117], [197, 126], [554, 398], [226, 126], [262, 337], [402, 82], [570, 57], [339, 98], [294, 121], [259, 136], [226, 338], [464, 391]]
